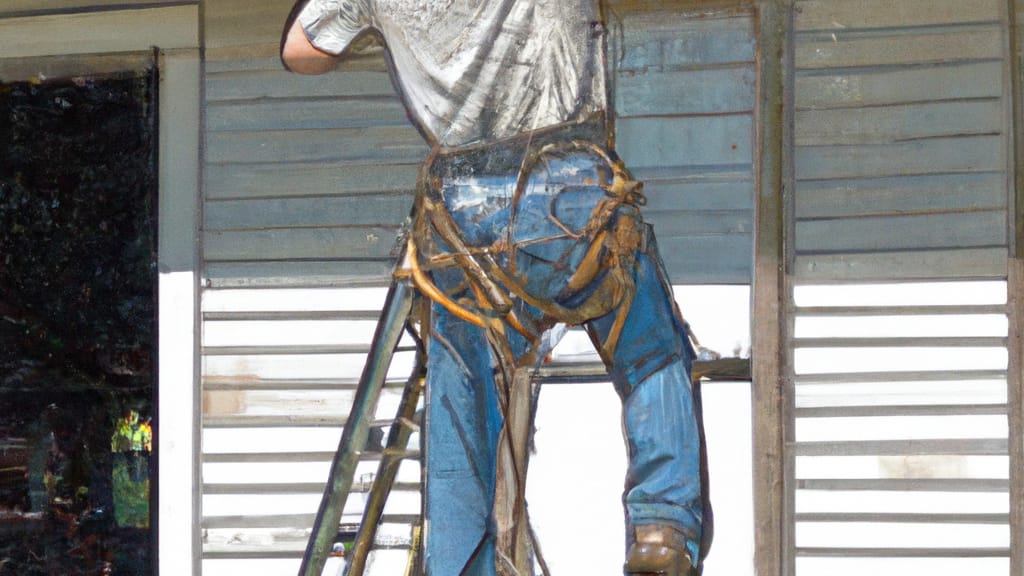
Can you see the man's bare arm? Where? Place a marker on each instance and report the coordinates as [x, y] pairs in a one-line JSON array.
[[299, 55]]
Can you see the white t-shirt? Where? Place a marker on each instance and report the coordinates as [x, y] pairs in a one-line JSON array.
[[478, 70]]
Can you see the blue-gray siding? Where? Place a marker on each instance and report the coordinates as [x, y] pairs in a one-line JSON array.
[[901, 135]]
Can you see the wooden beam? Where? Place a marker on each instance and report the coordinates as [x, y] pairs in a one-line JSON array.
[[74, 65], [1015, 412], [1016, 93], [1014, 10], [773, 539], [178, 438], [100, 32]]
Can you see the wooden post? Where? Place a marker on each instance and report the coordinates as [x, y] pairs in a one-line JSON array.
[[1015, 94], [1015, 410], [769, 289], [1015, 291]]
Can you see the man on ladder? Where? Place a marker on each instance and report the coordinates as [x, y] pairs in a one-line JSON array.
[[525, 221]]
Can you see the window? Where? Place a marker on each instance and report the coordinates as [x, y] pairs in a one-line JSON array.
[[78, 284]]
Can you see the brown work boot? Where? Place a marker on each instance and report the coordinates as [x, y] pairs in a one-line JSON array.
[[658, 550]]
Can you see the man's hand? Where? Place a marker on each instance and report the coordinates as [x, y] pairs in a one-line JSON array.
[[299, 55]]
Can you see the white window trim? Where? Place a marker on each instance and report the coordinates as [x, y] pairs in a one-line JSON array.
[[174, 31]]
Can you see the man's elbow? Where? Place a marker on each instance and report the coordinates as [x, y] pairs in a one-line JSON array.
[[305, 64], [300, 56]]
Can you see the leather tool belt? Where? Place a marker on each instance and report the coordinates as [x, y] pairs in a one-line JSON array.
[[565, 235]]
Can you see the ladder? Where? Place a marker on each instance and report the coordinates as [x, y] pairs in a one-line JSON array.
[[394, 320], [396, 317]]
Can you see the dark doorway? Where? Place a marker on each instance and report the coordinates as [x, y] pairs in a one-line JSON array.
[[78, 178]]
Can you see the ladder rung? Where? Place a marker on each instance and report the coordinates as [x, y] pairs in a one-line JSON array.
[[400, 519], [408, 423], [404, 454]]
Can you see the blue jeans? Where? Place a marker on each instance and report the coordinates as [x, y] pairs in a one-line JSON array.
[[650, 369]]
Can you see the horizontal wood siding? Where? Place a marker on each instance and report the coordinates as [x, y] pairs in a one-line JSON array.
[[899, 418], [307, 179], [280, 369], [902, 143], [684, 97]]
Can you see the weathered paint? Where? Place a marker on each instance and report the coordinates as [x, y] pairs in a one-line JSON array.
[[769, 328], [684, 97], [890, 186], [885, 104]]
